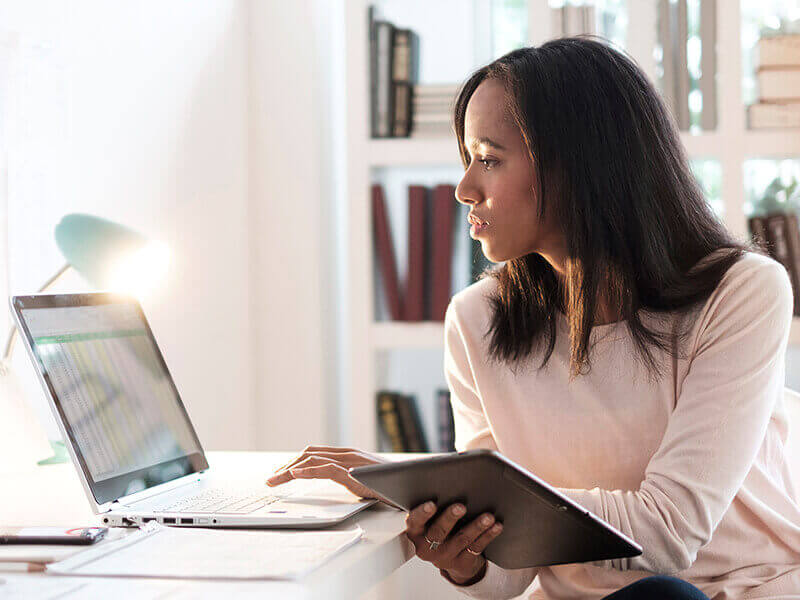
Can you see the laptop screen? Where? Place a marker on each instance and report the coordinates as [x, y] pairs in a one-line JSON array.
[[112, 390]]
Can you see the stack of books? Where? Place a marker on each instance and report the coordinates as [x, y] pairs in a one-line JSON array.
[[779, 235], [432, 218], [433, 109], [778, 80], [394, 65], [401, 427]]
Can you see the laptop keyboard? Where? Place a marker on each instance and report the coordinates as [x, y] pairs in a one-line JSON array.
[[218, 501]]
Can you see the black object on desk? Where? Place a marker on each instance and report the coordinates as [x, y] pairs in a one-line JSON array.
[[541, 526], [79, 536]]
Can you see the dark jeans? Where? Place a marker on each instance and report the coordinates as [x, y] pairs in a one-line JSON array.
[[658, 587]]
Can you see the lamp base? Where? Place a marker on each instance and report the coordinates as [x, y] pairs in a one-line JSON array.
[[60, 455]]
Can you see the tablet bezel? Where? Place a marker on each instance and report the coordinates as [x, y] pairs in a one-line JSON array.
[[396, 481]]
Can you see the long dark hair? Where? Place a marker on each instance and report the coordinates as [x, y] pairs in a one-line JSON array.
[[609, 162]]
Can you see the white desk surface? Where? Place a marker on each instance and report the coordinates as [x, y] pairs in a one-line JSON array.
[[53, 495]]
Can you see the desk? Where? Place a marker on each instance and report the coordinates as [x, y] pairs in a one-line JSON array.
[[53, 495]]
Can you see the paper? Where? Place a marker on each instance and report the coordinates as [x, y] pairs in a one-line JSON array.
[[51, 588], [158, 551]]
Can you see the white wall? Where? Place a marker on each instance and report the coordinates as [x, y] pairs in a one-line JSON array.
[[138, 112], [292, 182]]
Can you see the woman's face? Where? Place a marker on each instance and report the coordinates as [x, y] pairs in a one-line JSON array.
[[499, 183]]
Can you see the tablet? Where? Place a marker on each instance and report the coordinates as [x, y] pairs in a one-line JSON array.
[[541, 526]]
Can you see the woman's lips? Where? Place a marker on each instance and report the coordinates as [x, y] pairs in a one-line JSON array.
[[477, 229]]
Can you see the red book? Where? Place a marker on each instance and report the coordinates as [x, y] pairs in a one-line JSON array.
[[414, 302], [444, 205], [385, 250]]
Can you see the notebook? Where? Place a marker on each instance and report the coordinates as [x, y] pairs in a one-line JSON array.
[[168, 552]]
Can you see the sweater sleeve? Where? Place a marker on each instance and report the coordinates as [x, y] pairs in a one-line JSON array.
[[473, 431], [715, 430]]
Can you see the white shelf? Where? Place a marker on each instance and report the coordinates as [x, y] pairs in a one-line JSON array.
[[429, 334], [392, 152], [428, 151], [393, 334]]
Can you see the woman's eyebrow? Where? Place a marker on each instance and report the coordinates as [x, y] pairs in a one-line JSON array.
[[485, 141]]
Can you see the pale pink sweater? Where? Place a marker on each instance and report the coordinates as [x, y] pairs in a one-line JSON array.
[[691, 467]]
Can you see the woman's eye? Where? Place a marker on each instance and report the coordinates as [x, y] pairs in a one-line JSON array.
[[488, 163]]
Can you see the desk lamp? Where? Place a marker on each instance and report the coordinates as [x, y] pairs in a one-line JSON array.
[[109, 256]]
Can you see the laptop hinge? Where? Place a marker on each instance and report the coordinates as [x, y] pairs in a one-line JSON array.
[[161, 488]]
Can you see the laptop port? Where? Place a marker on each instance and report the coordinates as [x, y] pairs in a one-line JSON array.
[[169, 521], [187, 521], [148, 519]]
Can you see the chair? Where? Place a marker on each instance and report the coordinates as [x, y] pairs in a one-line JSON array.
[[791, 401]]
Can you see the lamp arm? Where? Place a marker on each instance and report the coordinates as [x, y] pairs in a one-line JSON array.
[[12, 335]]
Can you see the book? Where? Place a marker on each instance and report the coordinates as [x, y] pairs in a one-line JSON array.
[[778, 51], [414, 299], [773, 115], [441, 260], [776, 225], [792, 233], [410, 424], [389, 420], [447, 429], [405, 68], [778, 84], [385, 252], [383, 106]]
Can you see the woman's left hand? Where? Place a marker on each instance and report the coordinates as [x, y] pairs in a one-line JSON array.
[[329, 462]]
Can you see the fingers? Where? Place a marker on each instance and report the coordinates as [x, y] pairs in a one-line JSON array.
[[350, 456], [441, 527], [483, 540], [418, 517], [468, 535]]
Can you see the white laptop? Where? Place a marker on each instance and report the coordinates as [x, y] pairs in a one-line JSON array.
[[128, 433]]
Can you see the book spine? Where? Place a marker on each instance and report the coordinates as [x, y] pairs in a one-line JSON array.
[[373, 72], [385, 251], [402, 110], [778, 51], [384, 102], [447, 429], [390, 421], [776, 234], [414, 303], [410, 423], [778, 85], [444, 204], [766, 116], [792, 234]]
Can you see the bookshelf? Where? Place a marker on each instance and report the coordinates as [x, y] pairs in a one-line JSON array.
[[731, 144]]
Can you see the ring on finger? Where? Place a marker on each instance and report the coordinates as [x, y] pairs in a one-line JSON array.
[[473, 552], [434, 545]]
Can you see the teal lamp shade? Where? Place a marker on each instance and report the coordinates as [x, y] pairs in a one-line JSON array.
[[108, 255]]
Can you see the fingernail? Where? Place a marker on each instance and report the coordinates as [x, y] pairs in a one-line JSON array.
[[459, 510], [429, 506], [497, 528], [486, 519]]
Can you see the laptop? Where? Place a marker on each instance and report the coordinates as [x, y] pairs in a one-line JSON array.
[[128, 433]]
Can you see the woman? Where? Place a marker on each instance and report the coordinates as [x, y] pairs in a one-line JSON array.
[[629, 351]]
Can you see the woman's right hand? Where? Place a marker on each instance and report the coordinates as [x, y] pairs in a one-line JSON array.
[[458, 553]]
